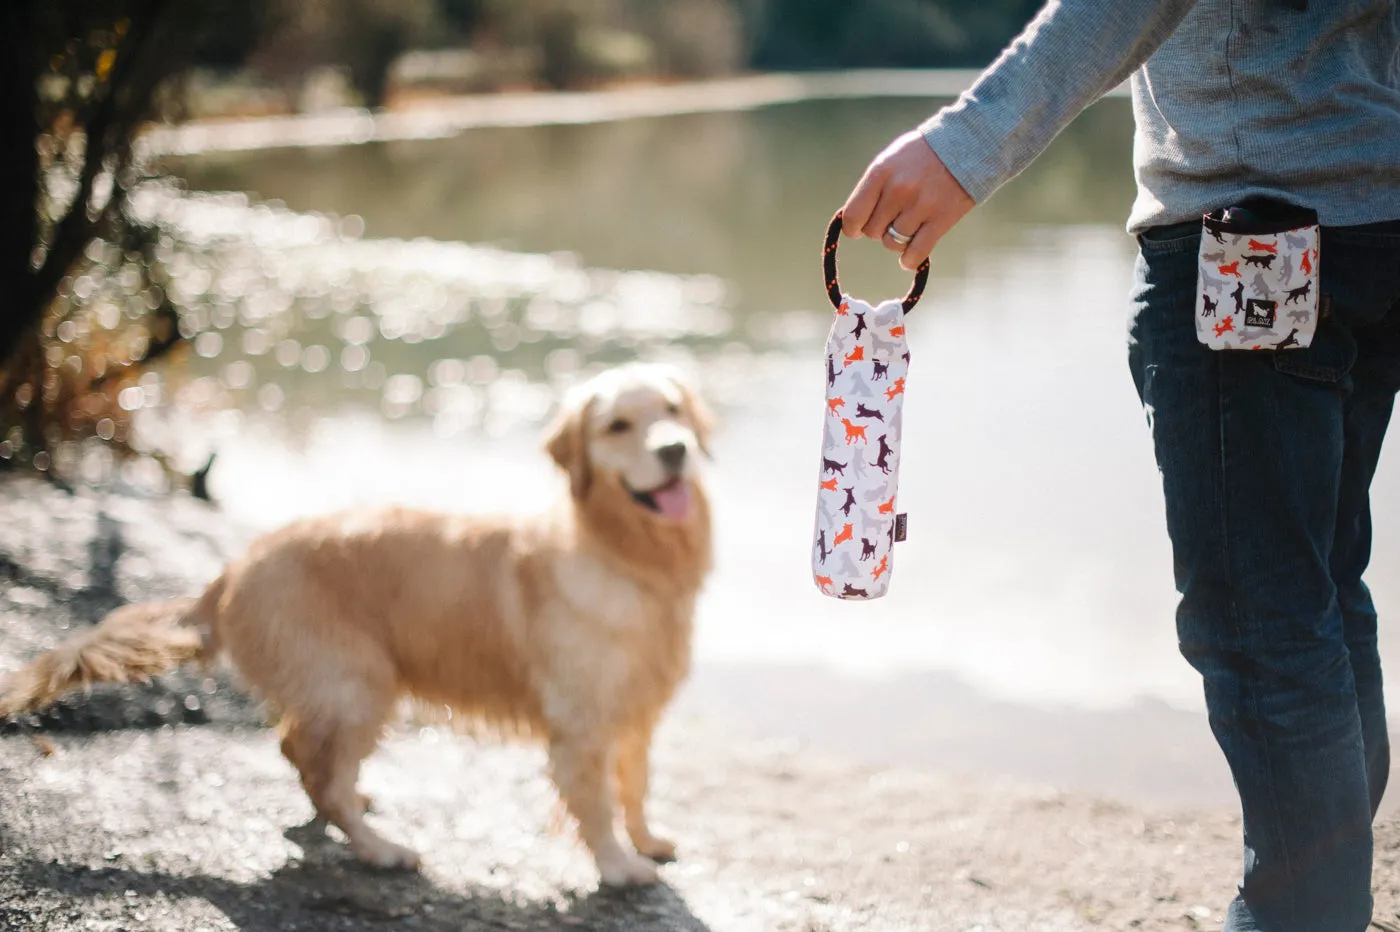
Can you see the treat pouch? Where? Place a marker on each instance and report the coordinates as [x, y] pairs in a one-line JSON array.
[[867, 362], [1258, 278]]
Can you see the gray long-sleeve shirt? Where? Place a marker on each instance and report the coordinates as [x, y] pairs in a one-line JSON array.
[[1230, 98]]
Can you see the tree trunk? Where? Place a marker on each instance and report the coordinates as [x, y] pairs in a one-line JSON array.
[[19, 167]]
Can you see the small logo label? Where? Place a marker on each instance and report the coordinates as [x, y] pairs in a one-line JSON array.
[[901, 526], [1259, 313]]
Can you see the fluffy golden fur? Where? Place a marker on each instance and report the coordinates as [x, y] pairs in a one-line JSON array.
[[573, 626]]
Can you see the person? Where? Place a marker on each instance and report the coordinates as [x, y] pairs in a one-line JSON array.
[[1266, 457]]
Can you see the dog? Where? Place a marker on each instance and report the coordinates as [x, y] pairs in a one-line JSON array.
[[853, 432], [1208, 306], [869, 413], [1266, 260], [572, 626], [1299, 293], [883, 460]]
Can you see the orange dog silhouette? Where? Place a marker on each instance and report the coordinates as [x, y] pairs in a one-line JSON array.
[[830, 484], [853, 433], [1264, 247], [896, 389], [1305, 263], [845, 535], [844, 309], [823, 581], [887, 507], [1232, 269], [855, 355], [884, 565], [833, 403], [897, 331], [1225, 326]]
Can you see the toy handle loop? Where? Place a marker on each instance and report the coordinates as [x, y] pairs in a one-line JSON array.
[[833, 285]]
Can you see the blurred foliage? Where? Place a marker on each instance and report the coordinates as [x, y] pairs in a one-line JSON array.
[[80, 79], [490, 44]]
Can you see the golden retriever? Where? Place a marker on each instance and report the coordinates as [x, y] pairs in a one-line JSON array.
[[572, 626]]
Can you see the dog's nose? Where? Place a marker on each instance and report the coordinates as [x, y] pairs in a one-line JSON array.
[[672, 455]]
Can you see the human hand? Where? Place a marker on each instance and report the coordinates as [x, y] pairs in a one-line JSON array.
[[909, 188]]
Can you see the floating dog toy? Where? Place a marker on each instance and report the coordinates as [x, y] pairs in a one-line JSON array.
[[867, 361]]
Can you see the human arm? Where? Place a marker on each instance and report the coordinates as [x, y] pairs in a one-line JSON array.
[[1069, 56]]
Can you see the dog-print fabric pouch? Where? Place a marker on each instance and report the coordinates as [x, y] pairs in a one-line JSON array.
[[867, 361], [1258, 278]]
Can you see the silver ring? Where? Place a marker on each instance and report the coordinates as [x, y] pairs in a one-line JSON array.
[[897, 236]]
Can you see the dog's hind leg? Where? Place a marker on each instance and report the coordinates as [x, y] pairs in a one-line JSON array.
[[327, 753], [583, 772], [633, 773]]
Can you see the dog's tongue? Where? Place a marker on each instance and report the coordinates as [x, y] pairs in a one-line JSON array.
[[673, 500]]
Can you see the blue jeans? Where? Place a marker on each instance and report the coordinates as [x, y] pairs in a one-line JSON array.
[[1266, 462]]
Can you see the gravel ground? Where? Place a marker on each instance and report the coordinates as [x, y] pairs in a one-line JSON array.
[[168, 806]]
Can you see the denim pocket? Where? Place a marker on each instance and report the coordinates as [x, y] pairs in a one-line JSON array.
[[1176, 237], [1328, 359]]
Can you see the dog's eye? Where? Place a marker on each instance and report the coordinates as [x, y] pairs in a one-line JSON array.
[[673, 409], [620, 426]]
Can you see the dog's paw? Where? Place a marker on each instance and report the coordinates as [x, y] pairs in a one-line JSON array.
[[628, 870], [661, 850], [386, 855]]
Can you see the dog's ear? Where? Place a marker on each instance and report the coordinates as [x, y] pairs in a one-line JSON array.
[[567, 443], [697, 412]]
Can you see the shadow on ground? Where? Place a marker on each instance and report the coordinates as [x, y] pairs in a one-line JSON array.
[[331, 896]]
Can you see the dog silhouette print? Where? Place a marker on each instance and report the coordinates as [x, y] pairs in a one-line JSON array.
[[883, 460], [863, 411]]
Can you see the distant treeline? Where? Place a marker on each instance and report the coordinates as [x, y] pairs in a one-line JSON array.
[[565, 43]]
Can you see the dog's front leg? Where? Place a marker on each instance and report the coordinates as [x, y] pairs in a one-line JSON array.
[[581, 772], [633, 773]]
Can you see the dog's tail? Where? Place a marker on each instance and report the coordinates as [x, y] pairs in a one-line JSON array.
[[134, 642]]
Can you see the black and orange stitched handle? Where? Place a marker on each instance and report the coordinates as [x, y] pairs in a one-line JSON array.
[[833, 286]]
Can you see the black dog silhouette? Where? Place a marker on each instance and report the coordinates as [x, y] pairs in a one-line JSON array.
[[867, 549], [881, 370], [1298, 294], [859, 328], [850, 501], [1209, 305], [833, 466], [1266, 260], [852, 590], [1238, 295], [863, 411], [830, 371], [1290, 340], [883, 459], [821, 546]]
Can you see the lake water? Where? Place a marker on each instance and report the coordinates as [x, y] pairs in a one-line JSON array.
[[390, 321]]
